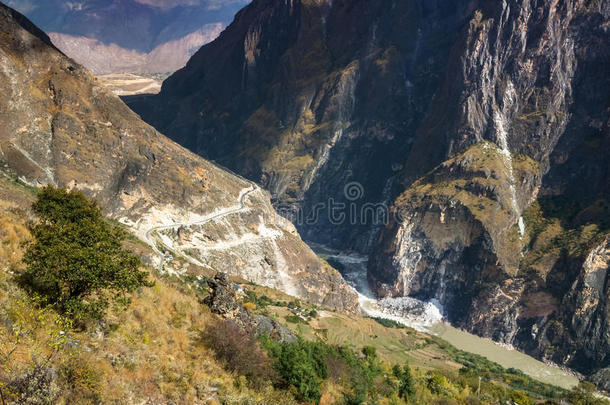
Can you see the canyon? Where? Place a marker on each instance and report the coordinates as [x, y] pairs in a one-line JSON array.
[[482, 127]]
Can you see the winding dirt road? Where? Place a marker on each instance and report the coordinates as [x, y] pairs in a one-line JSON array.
[[240, 207]]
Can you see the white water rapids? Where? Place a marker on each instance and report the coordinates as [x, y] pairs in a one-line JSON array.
[[427, 317]]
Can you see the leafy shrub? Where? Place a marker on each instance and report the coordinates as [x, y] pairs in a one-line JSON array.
[[250, 306], [261, 302], [240, 352], [357, 398], [306, 365], [301, 364], [83, 380], [370, 352], [76, 262], [584, 394], [361, 373], [521, 398], [296, 319], [406, 382], [437, 384]]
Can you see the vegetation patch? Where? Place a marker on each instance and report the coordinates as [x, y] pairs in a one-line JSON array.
[[76, 262], [388, 323], [563, 228]]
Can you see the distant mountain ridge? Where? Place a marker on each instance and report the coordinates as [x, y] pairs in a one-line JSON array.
[[130, 24], [130, 36], [104, 59]]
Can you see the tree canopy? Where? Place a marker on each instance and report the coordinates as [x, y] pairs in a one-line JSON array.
[[76, 261]]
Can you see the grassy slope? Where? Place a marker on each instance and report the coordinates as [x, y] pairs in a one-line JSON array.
[[154, 351], [151, 351], [425, 353]]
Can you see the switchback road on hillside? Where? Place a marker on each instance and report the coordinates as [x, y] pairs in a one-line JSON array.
[[240, 207]]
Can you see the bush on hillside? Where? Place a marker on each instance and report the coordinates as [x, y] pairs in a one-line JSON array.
[[37, 385], [307, 365], [370, 352], [302, 364], [584, 394], [76, 261], [388, 323], [240, 352]]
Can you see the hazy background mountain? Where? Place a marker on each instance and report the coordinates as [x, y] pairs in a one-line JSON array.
[[150, 38], [138, 25]]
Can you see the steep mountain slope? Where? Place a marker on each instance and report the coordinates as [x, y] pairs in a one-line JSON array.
[[488, 120], [130, 36], [169, 347], [60, 127], [292, 98], [511, 237]]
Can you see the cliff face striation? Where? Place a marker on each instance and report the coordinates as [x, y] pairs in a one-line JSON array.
[[504, 235], [486, 124], [308, 96], [59, 126]]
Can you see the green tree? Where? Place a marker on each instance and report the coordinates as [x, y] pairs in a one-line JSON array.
[[301, 364], [584, 394], [76, 261], [406, 382], [370, 352]]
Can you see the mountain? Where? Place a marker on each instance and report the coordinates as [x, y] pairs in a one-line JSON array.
[[59, 126], [485, 125], [130, 36], [291, 98], [108, 59], [179, 343]]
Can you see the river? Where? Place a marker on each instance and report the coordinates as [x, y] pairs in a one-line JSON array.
[[427, 317]]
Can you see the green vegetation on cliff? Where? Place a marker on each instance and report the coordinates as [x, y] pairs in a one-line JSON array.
[[478, 179], [563, 228]]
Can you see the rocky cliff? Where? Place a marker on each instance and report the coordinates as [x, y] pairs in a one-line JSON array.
[[291, 97], [508, 249], [60, 127], [486, 123]]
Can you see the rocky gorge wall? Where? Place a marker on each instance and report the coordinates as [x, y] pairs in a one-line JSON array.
[[291, 97], [484, 124], [521, 270]]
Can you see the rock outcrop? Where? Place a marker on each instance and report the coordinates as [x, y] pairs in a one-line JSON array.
[[222, 301], [486, 123], [59, 126], [456, 233]]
